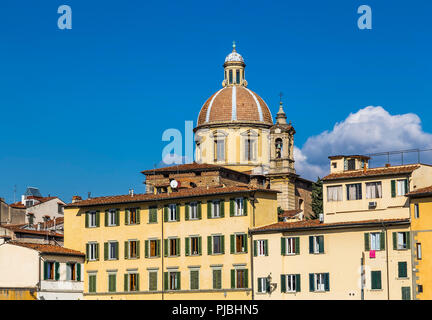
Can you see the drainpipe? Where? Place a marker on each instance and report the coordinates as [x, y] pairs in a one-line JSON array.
[[387, 261], [39, 283], [251, 263], [162, 253]]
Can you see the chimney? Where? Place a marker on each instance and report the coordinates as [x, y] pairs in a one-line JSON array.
[[131, 192], [89, 195], [387, 165], [76, 199]]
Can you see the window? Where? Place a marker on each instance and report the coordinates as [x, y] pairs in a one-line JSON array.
[[250, 149], [260, 247], [216, 244], [237, 76], [194, 279], [239, 278], [239, 205], [376, 241], [399, 187], [111, 250], [402, 269], [59, 208], [290, 246], [238, 243], [319, 282], [334, 193], [51, 270], [172, 212], [112, 282], [219, 149], [279, 148], [373, 190], [193, 210], [376, 280], [92, 283], [351, 164], [92, 251], [172, 280], [334, 164], [172, 247], [30, 218], [132, 216], [354, 191], [420, 288], [406, 293], [215, 208], [416, 211], [263, 285], [152, 280], [92, 219], [316, 244], [290, 283], [152, 248], [132, 249], [193, 246], [73, 271], [29, 203], [112, 217], [401, 240], [153, 214], [419, 251], [217, 279], [131, 282], [230, 76]]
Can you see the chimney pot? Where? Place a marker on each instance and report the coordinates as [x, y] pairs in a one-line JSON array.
[[76, 199], [387, 165]]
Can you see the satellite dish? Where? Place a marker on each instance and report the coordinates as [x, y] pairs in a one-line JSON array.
[[174, 184]]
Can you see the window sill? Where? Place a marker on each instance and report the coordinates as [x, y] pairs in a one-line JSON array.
[[376, 290], [294, 292], [215, 217], [240, 253], [407, 278], [113, 225], [112, 259], [152, 222], [153, 257], [132, 224], [216, 254]]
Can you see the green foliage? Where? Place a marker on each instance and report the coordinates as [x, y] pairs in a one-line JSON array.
[[317, 198]]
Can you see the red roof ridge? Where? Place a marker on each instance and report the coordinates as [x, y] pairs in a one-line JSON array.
[[47, 248]]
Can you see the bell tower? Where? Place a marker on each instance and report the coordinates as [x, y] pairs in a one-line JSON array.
[[282, 172]]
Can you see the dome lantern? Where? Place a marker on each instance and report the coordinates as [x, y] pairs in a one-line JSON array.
[[234, 69]]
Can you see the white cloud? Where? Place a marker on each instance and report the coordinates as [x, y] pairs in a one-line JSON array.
[[369, 130]]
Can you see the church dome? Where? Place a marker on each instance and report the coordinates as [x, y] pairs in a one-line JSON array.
[[235, 104], [234, 57]]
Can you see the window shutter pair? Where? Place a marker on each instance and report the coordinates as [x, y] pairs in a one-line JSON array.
[[57, 270], [375, 279], [231, 207], [402, 270], [152, 281], [194, 274], [87, 219], [217, 279], [152, 214]]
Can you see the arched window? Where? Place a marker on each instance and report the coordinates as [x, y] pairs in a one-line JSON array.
[[230, 77], [237, 76], [219, 149], [278, 146]]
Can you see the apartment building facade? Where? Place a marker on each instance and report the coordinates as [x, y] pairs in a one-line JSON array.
[[189, 243], [361, 248]]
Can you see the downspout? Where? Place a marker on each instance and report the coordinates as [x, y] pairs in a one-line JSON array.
[[39, 283], [252, 247], [162, 253], [387, 261]]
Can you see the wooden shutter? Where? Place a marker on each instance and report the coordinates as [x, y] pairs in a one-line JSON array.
[[232, 243], [222, 208], [297, 245], [209, 204], [45, 270], [245, 206], [165, 280], [126, 247], [177, 246], [165, 213], [97, 218], [97, 251], [117, 218], [394, 240], [246, 278], [283, 283], [199, 246], [158, 247], [393, 188], [327, 281], [402, 269], [78, 271], [245, 243], [233, 279], [138, 249], [87, 251], [199, 209], [165, 247], [126, 217], [266, 247], [255, 253], [87, 219], [138, 211], [126, 282], [187, 242], [366, 241], [223, 244], [146, 248], [137, 281], [298, 287], [311, 244], [259, 284], [231, 207], [209, 245], [408, 239], [406, 185], [106, 217], [283, 246], [382, 241], [57, 270], [187, 211], [311, 282], [105, 250], [321, 244], [177, 212], [178, 277]]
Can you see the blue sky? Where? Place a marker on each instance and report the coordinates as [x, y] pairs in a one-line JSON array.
[[84, 109]]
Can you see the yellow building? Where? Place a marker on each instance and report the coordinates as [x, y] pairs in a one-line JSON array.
[[181, 242], [364, 230], [421, 229]]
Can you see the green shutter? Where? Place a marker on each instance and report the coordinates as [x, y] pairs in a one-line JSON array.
[[187, 242], [259, 285], [376, 280], [366, 242], [321, 244], [406, 293], [137, 281], [231, 207], [186, 211], [311, 244], [106, 217], [105, 250], [311, 282], [266, 247], [402, 269], [298, 287], [406, 186], [126, 255], [283, 246], [233, 279], [126, 282], [209, 245], [199, 209], [97, 218], [297, 245], [393, 188], [394, 240], [146, 248], [87, 219], [382, 241], [78, 271], [232, 243], [245, 206], [126, 217], [97, 251], [408, 239], [245, 243], [165, 213], [178, 247], [223, 244], [177, 212], [246, 278], [178, 280], [138, 214], [138, 249], [209, 209], [87, 251], [57, 270], [222, 208], [165, 247], [199, 246], [165, 281], [45, 270], [117, 218], [283, 283], [255, 253], [327, 281], [158, 246]]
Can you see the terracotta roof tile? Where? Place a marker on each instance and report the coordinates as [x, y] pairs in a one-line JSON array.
[[185, 167], [420, 192], [372, 172], [290, 213], [19, 229], [181, 193], [308, 224], [47, 248], [17, 205]]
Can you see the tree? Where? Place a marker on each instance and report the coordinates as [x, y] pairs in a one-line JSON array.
[[317, 198]]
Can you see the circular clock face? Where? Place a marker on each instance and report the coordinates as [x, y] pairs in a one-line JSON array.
[[174, 184]]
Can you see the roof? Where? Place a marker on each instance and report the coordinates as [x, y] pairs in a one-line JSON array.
[[358, 156], [315, 224], [235, 104], [47, 248], [19, 229], [188, 167], [17, 205], [181, 193], [290, 213], [32, 191], [381, 171], [422, 192]]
